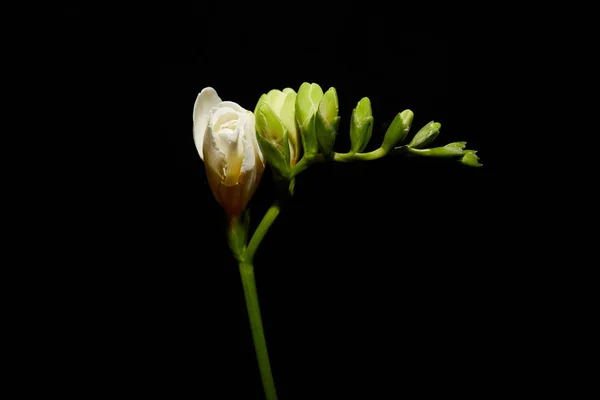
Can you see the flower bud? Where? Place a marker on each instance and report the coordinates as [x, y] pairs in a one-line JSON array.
[[283, 104], [327, 121], [225, 137], [272, 138], [450, 150], [307, 103], [361, 125], [397, 130], [426, 135], [471, 159]]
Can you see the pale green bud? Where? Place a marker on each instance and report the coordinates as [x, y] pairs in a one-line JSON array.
[[398, 129], [327, 121], [307, 104], [361, 125], [450, 150], [283, 104], [272, 137], [426, 135]]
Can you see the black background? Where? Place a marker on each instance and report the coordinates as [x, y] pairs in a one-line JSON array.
[[382, 277]]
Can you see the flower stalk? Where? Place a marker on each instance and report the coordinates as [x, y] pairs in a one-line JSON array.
[[258, 333], [290, 131]]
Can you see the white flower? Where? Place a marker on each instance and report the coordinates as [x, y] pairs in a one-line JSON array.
[[225, 137]]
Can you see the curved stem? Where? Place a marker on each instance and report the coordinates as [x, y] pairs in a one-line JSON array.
[[399, 150], [306, 162], [348, 157], [258, 334], [261, 231]]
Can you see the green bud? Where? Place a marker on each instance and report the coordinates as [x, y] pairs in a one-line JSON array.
[[361, 125], [307, 104], [450, 150], [283, 104], [327, 121], [426, 135], [398, 129], [471, 159], [272, 137]]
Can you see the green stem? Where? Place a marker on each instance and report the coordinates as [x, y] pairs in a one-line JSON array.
[[404, 149], [251, 296], [348, 157], [258, 334], [441, 152], [261, 231], [306, 162]]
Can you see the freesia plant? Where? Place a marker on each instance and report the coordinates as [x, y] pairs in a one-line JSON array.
[[290, 131]]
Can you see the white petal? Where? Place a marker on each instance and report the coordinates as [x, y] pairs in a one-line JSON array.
[[231, 104], [215, 162], [205, 101], [252, 166], [223, 118], [250, 159], [227, 126], [250, 130], [216, 166]]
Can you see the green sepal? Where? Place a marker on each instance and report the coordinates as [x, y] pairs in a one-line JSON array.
[[326, 134], [309, 136]]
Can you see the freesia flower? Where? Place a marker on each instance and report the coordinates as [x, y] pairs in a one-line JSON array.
[[225, 138]]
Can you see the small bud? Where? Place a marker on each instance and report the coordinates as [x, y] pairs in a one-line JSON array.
[[397, 130], [471, 159], [307, 103], [426, 135], [450, 150], [361, 125], [272, 137], [327, 121]]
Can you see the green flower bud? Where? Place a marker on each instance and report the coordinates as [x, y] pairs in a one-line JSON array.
[[471, 159], [307, 104], [426, 135], [327, 121], [283, 104], [272, 137], [361, 125], [450, 150], [398, 129]]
